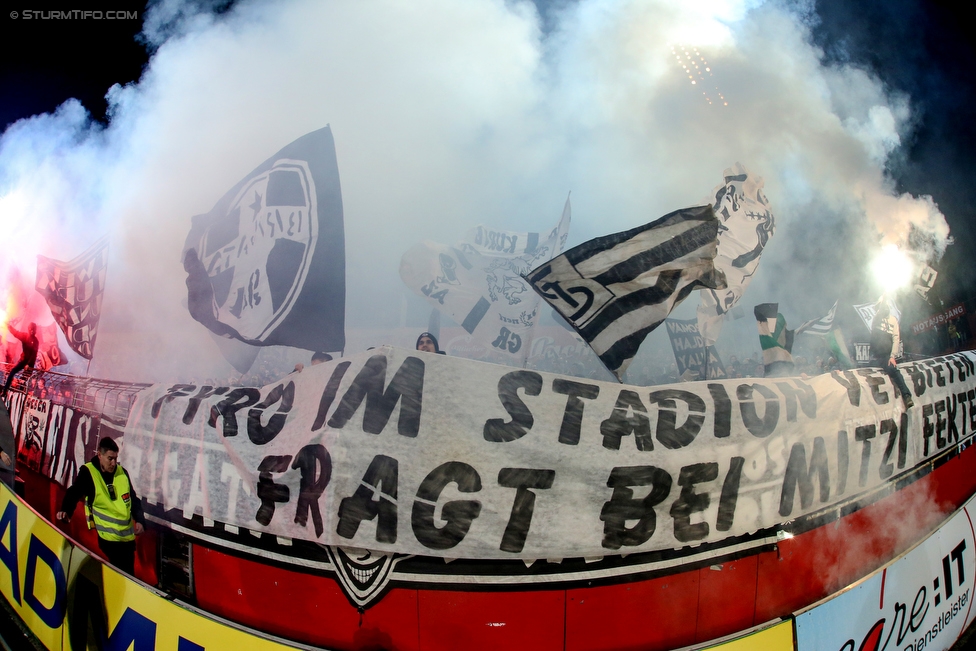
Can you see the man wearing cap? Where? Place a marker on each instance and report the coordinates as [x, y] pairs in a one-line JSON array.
[[111, 505]]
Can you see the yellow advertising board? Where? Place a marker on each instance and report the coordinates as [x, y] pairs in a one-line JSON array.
[[72, 600], [778, 637], [139, 617], [33, 558]]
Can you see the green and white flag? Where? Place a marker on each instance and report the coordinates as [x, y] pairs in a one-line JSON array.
[[775, 339], [837, 345]]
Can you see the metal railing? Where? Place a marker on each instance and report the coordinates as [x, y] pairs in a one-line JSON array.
[[110, 398]]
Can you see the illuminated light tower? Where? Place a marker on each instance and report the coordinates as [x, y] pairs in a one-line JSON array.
[[699, 72]]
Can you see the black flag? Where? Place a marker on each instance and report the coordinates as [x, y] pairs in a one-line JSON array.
[[267, 264]]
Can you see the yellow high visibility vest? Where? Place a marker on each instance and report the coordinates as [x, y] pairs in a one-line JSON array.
[[111, 519]]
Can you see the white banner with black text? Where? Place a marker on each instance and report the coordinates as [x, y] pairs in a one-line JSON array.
[[415, 453]]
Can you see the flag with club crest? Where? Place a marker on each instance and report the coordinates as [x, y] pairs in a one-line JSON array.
[[867, 311], [618, 288], [746, 225], [74, 290], [266, 265], [478, 283]]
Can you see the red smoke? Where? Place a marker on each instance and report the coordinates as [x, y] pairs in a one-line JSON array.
[[23, 306]]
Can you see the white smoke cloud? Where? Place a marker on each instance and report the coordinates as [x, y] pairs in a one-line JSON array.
[[447, 114]]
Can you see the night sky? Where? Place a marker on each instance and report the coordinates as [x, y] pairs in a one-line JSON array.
[[923, 49], [926, 50], [45, 62]]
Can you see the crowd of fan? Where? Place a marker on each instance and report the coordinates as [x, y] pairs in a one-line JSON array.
[[643, 372]]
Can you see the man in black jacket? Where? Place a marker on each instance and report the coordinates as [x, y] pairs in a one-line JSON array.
[[111, 504], [28, 357]]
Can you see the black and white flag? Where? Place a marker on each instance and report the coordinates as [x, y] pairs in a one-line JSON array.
[[73, 290], [616, 289], [867, 311], [267, 265], [924, 280], [820, 327], [478, 283], [747, 224], [690, 353]]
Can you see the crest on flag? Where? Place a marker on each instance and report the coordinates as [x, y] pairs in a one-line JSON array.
[[747, 224], [867, 311], [479, 284], [618, 288], [73, 290], [267, 264]]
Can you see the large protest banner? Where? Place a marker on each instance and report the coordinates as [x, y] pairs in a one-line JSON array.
[[404, 452]]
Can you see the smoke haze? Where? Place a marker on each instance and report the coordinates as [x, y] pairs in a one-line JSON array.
[[449, 114]]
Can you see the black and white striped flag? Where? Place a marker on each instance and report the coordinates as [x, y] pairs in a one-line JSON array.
[[617, 288], [821, 326]]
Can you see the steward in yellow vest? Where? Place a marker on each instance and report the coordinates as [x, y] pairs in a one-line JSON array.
[[111, 505]]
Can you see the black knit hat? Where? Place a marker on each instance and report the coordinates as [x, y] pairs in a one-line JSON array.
[[437, 346]]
